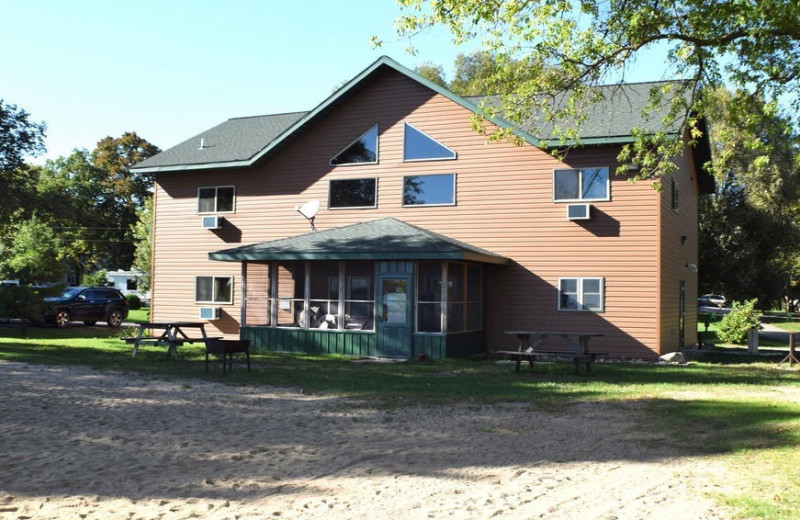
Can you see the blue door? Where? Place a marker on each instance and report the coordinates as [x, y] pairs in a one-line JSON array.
[[395, 322]]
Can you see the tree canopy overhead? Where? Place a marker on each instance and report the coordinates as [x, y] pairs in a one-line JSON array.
[[549, 47], [19, 136]]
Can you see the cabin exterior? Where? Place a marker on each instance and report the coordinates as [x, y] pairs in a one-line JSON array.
[[427, 240]]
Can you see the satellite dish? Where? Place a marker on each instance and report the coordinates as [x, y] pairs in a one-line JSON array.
[[309, 211]]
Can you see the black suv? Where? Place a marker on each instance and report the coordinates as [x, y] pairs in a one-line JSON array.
[[87, 304]]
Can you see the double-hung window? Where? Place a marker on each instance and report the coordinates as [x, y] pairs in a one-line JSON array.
[[578, 184], [580, 294], [213, 289], [215, 199]]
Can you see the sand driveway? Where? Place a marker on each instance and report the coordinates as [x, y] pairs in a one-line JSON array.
[[76, 443]]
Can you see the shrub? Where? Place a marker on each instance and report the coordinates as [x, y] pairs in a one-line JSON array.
[[134, 302], [96, 279], [22, 302], [734, 326]]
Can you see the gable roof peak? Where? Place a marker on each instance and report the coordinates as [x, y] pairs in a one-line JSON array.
[[243, 141]]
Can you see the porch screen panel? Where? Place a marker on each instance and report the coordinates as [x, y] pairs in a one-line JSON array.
[[455, 297], [291, 294], [429, 297], [474, 315], [257, 302], [323, 307], [359, 296]]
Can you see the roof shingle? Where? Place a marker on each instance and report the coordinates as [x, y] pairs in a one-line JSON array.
[[383, 239]]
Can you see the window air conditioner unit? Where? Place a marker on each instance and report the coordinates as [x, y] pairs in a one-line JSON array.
[[579, 211], [209, 313], [212, 222]]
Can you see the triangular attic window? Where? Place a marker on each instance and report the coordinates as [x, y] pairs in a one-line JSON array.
[[420, 147], [363, 150]]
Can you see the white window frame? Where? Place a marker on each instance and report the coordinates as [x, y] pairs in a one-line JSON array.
[[580, 184], [216, 199], [336, 208], [453, 158], [580, 295], [455, 191], [354, 141], [213, 289]]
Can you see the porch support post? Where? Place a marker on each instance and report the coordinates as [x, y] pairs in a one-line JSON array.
[[243, 317], [445, 281]]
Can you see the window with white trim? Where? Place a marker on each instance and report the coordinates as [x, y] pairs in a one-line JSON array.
[[363, 150], [213, 289], [353, 193], [581, 294], [429, 190], [577, 184], [216, 199], [419, 146]]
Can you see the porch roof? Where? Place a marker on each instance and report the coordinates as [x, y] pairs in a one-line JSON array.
[[383, 239]]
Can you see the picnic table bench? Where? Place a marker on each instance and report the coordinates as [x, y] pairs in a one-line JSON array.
[[528, 342], [172, 336]]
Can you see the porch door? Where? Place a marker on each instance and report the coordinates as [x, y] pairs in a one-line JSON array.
[[395, 324]]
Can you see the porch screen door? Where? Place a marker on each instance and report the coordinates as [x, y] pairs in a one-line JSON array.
[[395, 316]]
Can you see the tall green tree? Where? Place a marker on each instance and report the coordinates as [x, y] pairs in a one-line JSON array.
[[19, 138], [143, 234], [472, 75], [115, 156], [94, 200], [566, 47], [82, 213], [750, 227], [32, 253], [432, 72]]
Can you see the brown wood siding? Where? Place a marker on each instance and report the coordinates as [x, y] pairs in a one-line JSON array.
[[677, 254], [503, 204], [257, 305]]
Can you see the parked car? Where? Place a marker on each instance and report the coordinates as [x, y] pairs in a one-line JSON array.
[[87, 304], [711, 300]]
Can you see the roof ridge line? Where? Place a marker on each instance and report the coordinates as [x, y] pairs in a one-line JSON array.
[[268, 115]]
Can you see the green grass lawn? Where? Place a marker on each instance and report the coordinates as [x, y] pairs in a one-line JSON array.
[[139, 315], [788, 326], [718, 406]]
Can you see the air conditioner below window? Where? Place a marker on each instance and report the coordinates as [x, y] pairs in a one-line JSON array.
[[212, 222], [209, 313], [579, 211]]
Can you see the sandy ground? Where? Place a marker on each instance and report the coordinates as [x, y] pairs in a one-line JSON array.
[[80, 444]]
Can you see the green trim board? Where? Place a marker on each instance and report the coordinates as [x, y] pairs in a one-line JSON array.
[[349, 343]]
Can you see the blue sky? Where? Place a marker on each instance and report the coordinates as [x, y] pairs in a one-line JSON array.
[[170, 69]]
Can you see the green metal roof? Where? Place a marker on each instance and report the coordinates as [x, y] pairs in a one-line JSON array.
[[383, 239]]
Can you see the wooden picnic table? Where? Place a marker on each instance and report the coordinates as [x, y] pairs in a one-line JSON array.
[[529, 342], [173, 335]]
